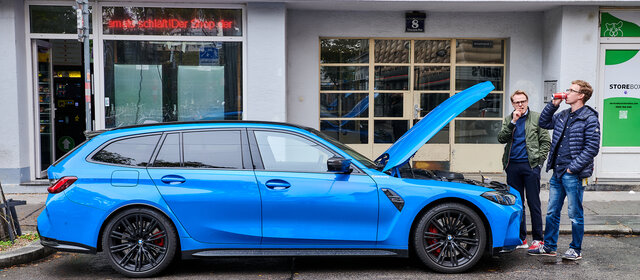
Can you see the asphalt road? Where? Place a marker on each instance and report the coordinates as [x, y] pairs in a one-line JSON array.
[[604, 257]]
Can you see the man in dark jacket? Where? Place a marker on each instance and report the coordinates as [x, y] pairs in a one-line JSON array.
[[527, 148], [576, 141]]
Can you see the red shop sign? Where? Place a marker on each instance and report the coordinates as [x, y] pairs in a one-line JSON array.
[[169, 23]]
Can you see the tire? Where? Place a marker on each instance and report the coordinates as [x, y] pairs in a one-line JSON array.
[[450, 238], [139, 242]]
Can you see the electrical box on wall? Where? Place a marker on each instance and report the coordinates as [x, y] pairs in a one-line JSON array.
[[550, 87]]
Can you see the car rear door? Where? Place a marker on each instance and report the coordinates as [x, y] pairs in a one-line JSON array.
[[207, 180], [303, 203]]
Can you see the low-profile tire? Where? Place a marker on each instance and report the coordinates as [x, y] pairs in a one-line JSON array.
[[139, 242], [450, 238]]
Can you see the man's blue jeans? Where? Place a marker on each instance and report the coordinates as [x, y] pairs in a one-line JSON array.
[[569, 186]]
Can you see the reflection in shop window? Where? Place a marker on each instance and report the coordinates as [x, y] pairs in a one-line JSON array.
[[432, 77], [392, 51], [55, 19], [346, 131], [488, 107], [344, 51], [392, 77], [477, 131], [344, 105], [480, 51], [344, 78], [148, 82], [388, 131], [388, 105], [432, 51], [468, 76]]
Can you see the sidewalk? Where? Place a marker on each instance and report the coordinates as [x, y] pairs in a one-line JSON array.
[[606, 212]]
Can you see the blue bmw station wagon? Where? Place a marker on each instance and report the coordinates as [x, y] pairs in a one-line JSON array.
[[146, 195]]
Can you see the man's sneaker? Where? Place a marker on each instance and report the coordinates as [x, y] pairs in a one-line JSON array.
[[524, 245], [536, 244], [571, 254], [542, 251]]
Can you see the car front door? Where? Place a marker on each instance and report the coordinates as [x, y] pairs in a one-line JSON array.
[[207, 180], [303, 203]]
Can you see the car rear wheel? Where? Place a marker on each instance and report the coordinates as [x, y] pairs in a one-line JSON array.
[[139, 242], [450, 238]]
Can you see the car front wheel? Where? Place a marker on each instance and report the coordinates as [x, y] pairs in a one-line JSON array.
[[450, 238], [139, 242]]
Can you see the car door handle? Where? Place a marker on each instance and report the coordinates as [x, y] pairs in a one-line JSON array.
[[277, 184], [173, 179]]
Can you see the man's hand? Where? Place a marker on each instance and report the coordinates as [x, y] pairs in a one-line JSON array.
[[569, 171], [516, 115], [556, 102]]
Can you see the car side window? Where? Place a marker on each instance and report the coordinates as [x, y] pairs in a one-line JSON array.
[[169, 154], [212, 149], [288, 152], [134, 151]]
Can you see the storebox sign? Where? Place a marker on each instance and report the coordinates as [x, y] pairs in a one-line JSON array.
[[620, 24], [621, 99]]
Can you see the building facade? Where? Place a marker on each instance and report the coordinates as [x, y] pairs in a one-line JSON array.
[[359, 71]]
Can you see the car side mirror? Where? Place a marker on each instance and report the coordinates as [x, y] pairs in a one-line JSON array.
[[339, 165]]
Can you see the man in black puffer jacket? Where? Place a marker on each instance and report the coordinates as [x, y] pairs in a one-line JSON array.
[[575, 142]]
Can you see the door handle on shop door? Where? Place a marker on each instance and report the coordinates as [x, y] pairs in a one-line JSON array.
[[173, 179], [277, 184]]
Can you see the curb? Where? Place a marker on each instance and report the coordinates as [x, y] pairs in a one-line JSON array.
[[29, 253]]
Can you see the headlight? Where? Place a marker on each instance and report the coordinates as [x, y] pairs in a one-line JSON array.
[[500, 197]]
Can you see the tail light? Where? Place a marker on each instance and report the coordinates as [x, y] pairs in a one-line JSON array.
[[62, 184]]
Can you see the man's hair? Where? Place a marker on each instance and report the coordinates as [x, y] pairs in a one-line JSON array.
[[585, 88], [519, 92]]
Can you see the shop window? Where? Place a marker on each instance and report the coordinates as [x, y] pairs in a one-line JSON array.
[[410, 78], [147, 82], [54, 19]]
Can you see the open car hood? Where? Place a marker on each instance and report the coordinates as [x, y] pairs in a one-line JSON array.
[[410, 142]]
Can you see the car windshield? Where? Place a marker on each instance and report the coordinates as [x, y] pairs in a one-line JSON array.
[[357, 156]]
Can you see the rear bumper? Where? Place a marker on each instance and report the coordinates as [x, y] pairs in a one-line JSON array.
[[66, 246]]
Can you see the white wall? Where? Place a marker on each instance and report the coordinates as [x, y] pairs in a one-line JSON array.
[[579, 58], [14, 108], [304, 28], [265, 96]]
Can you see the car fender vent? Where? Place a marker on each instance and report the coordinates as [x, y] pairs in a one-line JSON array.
[[396, 199]]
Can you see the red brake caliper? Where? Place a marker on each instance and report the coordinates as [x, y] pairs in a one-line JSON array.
[[159, 242], [432, 241]]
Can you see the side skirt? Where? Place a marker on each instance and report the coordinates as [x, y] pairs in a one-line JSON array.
[[293, 253]]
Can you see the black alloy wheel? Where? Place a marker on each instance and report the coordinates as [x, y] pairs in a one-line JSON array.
[[139, 242], [450, 238]]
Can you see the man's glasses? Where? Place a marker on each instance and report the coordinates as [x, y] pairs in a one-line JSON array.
[[572, 90], [520, 102]]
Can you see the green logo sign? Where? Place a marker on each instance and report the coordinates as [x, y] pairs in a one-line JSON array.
[[66, 143]]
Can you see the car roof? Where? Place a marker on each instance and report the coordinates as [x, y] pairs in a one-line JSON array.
[[93, 133]]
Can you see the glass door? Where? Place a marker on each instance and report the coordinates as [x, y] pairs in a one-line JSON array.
[[43, 88]]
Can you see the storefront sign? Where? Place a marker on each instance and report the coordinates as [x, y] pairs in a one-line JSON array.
[[169, 24], [621, 99], [171, 21], [620, 24], [414, 22]]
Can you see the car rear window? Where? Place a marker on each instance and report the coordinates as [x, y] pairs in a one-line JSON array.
[[134, 151]]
